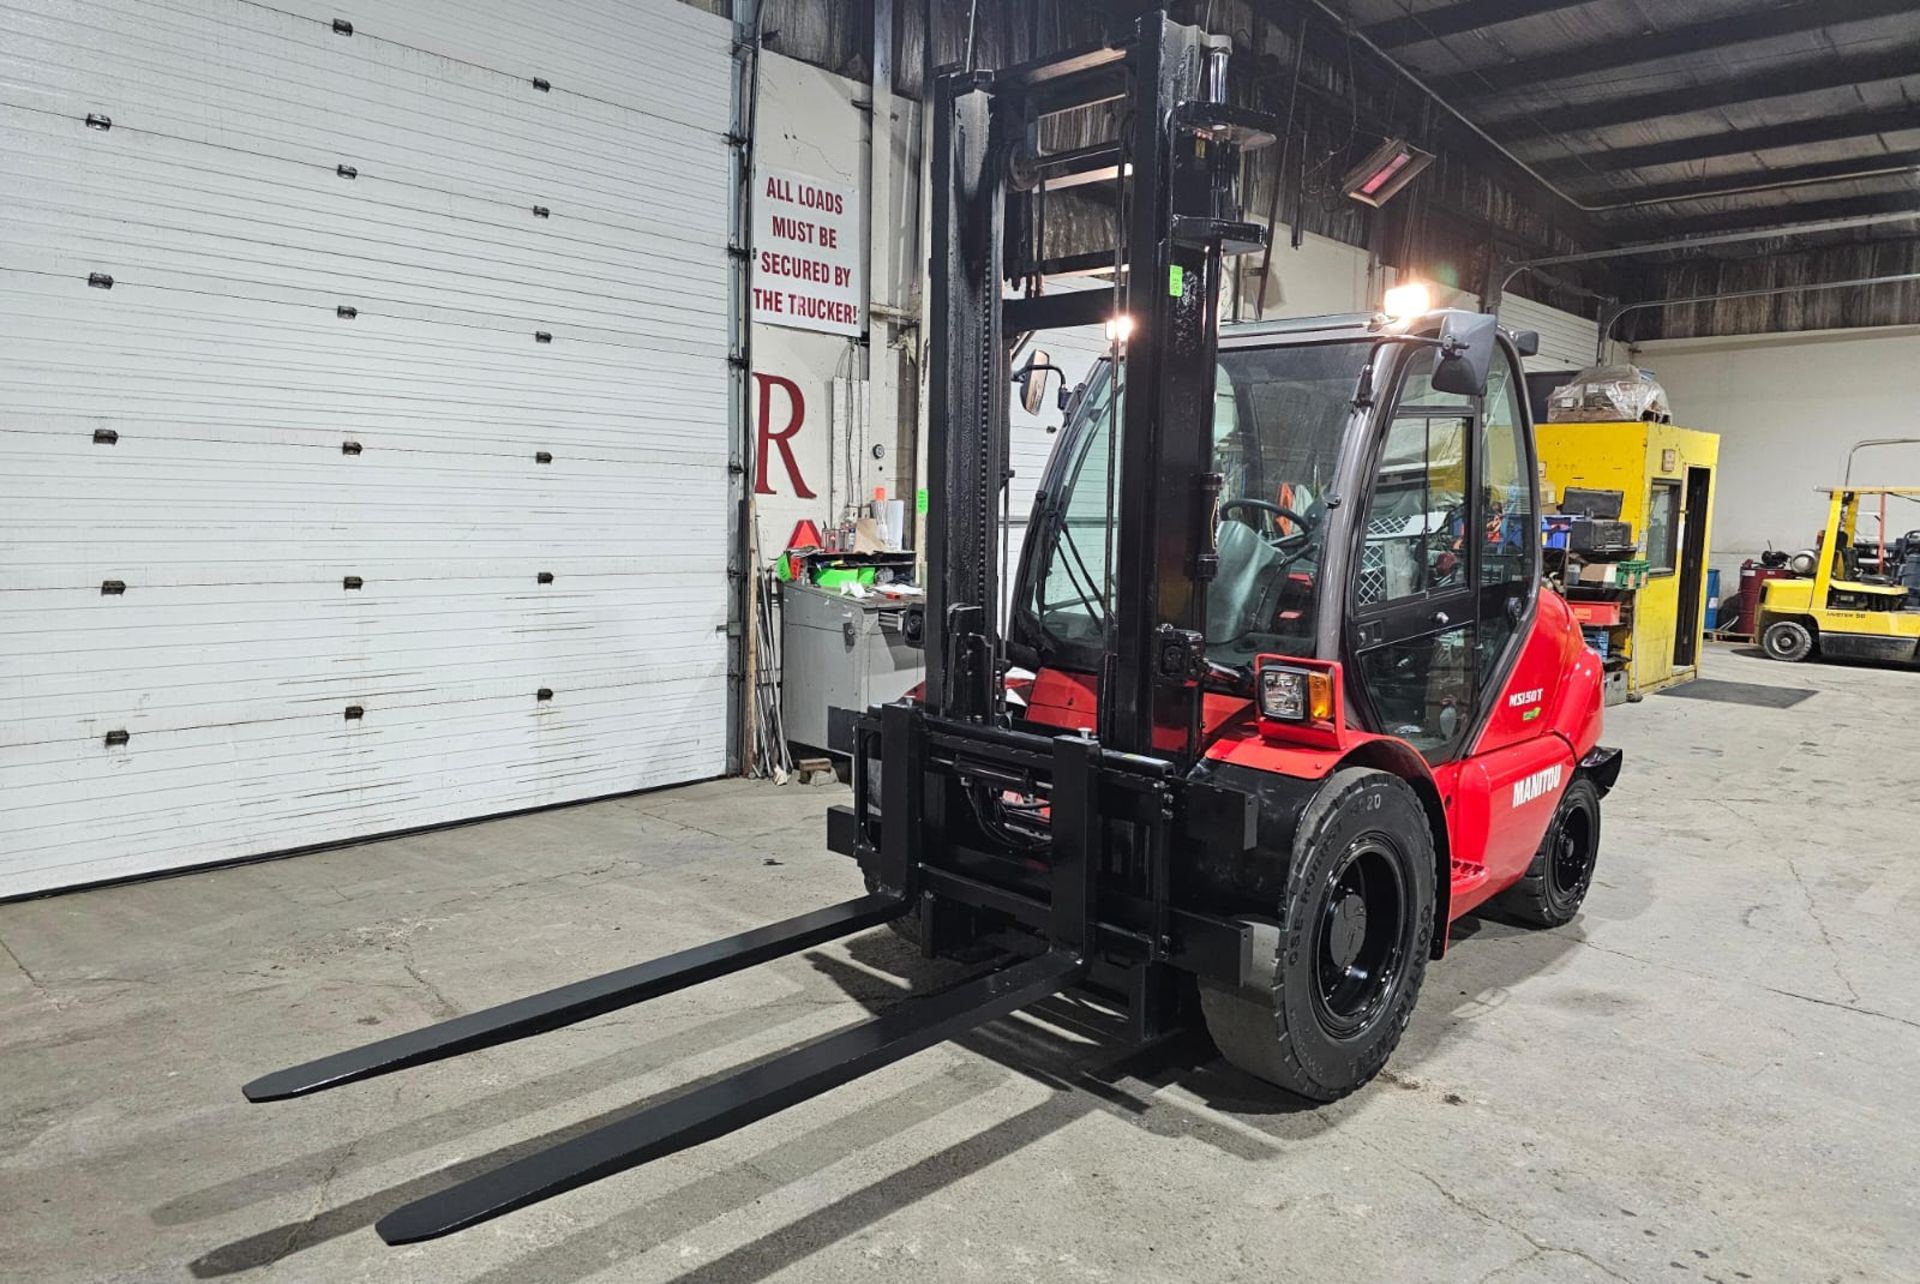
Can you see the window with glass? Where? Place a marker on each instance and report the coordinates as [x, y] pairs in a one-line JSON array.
[[1280, 417], [1416, 386], [1414, 590], [1415, 539], [1073, 587], [1663, 528], [1421, 688], [1508, 525]]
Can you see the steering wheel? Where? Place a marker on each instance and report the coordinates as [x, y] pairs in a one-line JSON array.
[[1274, 512]]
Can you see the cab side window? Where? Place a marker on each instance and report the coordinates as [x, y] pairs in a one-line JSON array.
[[1508, 526], [1415, 518], [1413, 592], [1073, 588]]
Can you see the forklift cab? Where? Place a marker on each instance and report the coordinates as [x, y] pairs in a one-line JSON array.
[[1364, 515]]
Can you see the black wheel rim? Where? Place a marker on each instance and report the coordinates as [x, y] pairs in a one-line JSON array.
[[1573, 852], [1359, 948]]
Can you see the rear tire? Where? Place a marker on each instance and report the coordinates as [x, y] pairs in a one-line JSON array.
[[1550, 893], [1787, 640], [1335, 979]]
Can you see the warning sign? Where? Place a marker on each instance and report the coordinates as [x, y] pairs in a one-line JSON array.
[[806, 254]]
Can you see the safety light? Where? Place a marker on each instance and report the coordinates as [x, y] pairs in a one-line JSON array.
[[1119, 328], [1387, 168], [1409, 300], [1295, 695]]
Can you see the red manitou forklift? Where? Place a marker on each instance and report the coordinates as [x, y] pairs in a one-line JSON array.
[[1297, 699]]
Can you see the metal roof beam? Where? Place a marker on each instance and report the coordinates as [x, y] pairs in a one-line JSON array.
[[1788, 19], [1736, 142], [1748, 181], [1457, 19], [1750, 86], [1612, 317], [1685, 244], [1795, 218]]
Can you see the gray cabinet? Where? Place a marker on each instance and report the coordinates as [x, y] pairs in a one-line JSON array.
[[839, 652]]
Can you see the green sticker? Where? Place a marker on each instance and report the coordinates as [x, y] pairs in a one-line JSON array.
[[920, 500], [1176, 280], [1530, 714]]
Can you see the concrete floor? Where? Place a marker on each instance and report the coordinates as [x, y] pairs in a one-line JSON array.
[[1712, 1073]]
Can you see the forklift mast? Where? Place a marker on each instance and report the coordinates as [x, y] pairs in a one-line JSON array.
[[1172, 171]]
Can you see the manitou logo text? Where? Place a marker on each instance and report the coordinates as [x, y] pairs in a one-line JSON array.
[[1528, 788]]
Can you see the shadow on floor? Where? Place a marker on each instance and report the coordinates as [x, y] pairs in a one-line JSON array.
[[1065, 1043], [1828, 661]]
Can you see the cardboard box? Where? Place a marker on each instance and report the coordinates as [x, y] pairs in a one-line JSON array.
[[1597, 573]]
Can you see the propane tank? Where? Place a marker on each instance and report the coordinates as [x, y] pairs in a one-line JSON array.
[[1753, 575]]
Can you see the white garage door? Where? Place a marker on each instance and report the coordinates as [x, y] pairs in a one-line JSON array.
[[385, 483]]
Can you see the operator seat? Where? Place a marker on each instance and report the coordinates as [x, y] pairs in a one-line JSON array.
[[1252, 574]]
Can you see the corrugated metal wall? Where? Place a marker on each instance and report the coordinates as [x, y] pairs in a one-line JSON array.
[[1447, 226], [1451, 225], [1765, 265], [1568, 341]]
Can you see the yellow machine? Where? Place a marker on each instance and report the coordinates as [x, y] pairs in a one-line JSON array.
[[1666, 475], [1832, 613]]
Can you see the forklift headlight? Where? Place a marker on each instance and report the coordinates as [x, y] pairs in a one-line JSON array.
[[1408, 300], [1283, 694], [1296, 695]]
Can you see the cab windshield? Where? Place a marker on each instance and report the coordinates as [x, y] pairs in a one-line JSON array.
[[1280, 415]]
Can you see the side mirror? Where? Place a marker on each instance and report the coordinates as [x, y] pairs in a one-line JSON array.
[[1527, 342], [1467, 343], [1032, 379]]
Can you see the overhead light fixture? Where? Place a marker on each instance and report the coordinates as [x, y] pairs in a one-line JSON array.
[[1387, 169]]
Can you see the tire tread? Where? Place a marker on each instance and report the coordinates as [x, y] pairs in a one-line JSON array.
[[1249, 1024], [1530, 899]]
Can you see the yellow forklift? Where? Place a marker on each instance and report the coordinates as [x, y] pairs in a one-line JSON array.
[[1835, 612]]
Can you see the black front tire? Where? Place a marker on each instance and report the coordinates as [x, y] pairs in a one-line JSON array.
[[1552, 890], [1336, 977], [1787, 640]]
